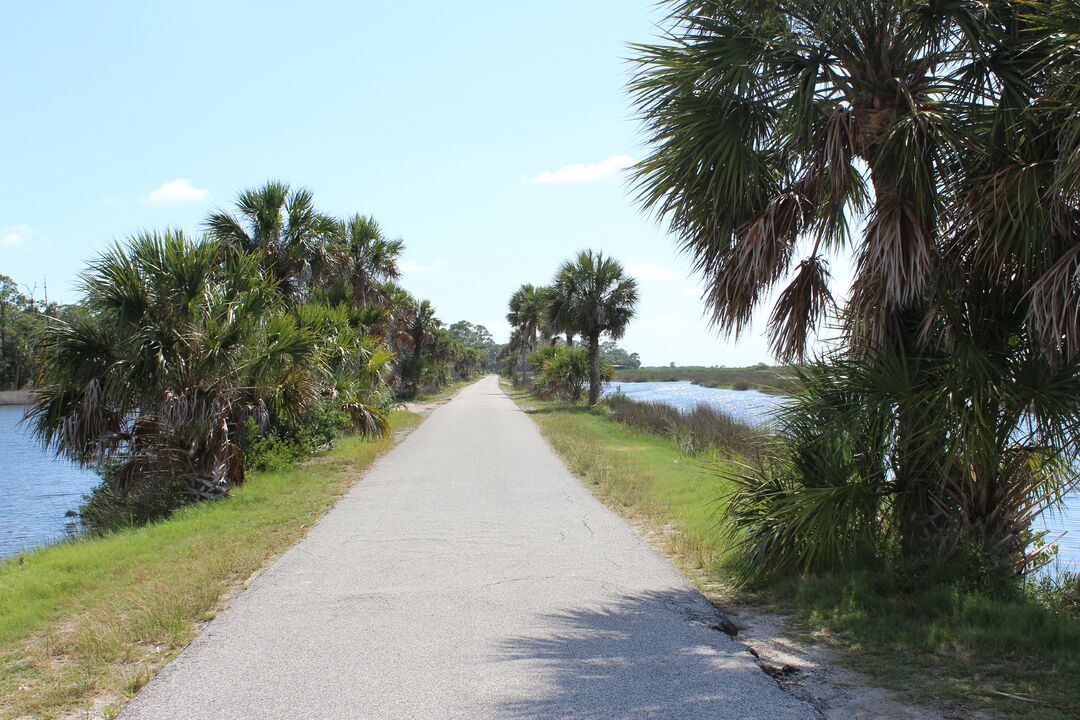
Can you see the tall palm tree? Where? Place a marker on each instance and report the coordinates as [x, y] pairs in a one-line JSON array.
[[527, 314], [603, 300], [295, 239], [370, 258], [947, 133], [560, 315]]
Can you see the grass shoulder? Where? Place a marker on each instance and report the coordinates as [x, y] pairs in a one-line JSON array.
[[84, 624], [944, 645]]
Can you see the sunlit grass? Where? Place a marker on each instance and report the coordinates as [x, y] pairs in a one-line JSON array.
[[91, 621], [941, 644]]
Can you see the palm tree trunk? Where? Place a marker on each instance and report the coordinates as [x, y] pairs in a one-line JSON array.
[[569, 339], [594, 368]]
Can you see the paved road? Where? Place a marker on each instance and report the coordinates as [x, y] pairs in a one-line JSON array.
[[467, 575]]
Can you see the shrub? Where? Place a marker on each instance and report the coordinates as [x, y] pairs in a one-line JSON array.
[[563, 372], [113, 504]]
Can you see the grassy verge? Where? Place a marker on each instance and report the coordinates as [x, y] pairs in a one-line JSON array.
[[84, 624], [942, 645]]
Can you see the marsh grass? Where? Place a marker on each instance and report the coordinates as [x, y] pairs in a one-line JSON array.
[[942, 644], [97, 617], [697, 430]]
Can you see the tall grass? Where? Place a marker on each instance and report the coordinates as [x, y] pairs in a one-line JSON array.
[[700, 429]]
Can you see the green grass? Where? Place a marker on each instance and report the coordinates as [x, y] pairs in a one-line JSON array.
[[84, 624], [943, 644]]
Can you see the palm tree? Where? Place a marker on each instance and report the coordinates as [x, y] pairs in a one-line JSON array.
[[370, 258], [527, 315], [560, 315], [947, 131], [422, 330], [296, 240], [178, 350], [603, 302]]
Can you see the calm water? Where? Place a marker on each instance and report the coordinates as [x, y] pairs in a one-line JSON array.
[[756, 408], [35, 488]]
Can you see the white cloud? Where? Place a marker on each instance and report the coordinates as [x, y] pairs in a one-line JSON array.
[[694, 292], [412, 267], [584, 172], [177, 191], [16, 236], [652, 271]]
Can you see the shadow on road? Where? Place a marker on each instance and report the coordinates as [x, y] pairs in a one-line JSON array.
[[647, 656]]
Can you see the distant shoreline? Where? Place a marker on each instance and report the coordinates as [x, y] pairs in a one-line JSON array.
[[16, 397]]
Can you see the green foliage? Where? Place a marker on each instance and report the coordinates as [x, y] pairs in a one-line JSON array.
[[614, 355], [320, 426], [832, 494], [192, 356], [476, 338], [562, 372], [22, 318]]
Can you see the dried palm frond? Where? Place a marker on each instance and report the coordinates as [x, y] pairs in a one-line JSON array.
[[802, 305]]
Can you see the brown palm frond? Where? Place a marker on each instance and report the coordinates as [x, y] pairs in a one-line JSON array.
[[839, 142], [799, 309], [897, 252], [758, 260], [1054, 306]]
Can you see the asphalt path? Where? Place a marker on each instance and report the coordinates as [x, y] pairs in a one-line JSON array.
[[468, 574]]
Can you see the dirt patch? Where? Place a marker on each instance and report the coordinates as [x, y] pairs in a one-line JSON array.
[[423, 408], [812, 672]]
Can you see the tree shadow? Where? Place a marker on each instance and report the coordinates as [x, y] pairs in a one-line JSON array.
[[653, 656]]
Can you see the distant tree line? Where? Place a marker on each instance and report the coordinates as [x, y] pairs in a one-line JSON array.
[[21, 318]]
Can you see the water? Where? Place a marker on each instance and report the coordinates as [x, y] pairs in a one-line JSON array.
[[36, 489], [756, 408], [748, 406]]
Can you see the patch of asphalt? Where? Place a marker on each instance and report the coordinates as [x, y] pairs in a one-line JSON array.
[[468, 575]]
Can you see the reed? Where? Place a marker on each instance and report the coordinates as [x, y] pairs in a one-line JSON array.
[[700, 429]]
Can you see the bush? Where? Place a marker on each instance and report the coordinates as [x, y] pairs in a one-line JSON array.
[[113, 504], [278, 449], [563, 372]]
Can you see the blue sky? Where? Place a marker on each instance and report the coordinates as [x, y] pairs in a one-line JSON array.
[[490, 136]]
